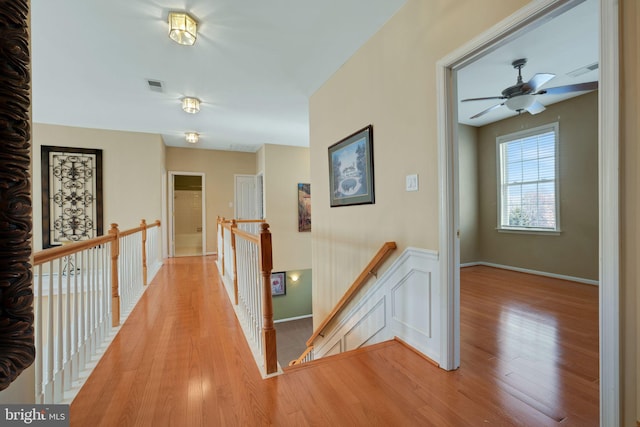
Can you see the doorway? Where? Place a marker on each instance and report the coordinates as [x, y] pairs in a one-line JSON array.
[[609, 329], [188, 216]]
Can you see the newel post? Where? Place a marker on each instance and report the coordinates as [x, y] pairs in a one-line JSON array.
[[268, 331], [234, 227], [143, 224], [115, 297], [221, 240]]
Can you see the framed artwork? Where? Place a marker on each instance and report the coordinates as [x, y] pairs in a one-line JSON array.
[[71, 195], [304, 207], [351, 169], [278, 284], [18, 350]]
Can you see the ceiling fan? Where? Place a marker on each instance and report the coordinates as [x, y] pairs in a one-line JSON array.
[[521, 96]]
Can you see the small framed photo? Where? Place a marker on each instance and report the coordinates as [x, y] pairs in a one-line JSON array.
[[351, 169], [278, 284]]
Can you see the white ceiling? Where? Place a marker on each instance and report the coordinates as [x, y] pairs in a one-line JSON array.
[[254, 65], [558, 46]]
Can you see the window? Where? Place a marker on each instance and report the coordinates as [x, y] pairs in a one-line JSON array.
[[528, 185]]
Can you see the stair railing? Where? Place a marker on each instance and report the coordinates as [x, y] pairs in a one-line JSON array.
[[370, 270], [245, 261], [80, 291]]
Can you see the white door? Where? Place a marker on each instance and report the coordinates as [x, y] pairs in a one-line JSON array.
[[245, 197]]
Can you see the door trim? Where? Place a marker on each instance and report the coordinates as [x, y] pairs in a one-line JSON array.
[[171, 237], [608, 182]]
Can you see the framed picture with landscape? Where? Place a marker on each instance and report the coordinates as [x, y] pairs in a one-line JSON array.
[[351, 170]]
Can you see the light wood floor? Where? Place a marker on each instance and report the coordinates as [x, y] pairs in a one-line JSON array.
[[529, 357]]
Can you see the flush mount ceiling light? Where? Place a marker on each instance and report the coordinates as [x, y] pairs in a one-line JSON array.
[[192, 137], [190, 105], [183, 28]]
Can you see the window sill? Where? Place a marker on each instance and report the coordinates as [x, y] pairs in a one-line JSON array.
[[538, 231]]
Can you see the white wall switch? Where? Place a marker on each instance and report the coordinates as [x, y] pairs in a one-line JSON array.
[[412, 182]]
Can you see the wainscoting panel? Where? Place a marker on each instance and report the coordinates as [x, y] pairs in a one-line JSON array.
[[404, 302], [412, 310], [336, 349], [367, 327]]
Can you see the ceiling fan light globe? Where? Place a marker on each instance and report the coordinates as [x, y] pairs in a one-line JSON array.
[[519, 103]]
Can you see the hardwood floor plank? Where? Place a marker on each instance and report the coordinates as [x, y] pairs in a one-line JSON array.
[[529, 351]]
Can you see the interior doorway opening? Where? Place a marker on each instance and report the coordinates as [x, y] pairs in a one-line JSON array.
[[188, 216], [608, 150]]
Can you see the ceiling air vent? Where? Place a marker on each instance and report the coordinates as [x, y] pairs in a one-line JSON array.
[[155, 85], [583, 70]]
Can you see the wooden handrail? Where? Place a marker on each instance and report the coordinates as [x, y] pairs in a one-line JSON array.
[[255, 238], [370, 269], [302, 357], [50, 254], [226, 223]]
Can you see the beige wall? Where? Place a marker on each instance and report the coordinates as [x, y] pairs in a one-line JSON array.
[[389, 83], [574, 252], [468, 188], [219, 168], [284, 167], [133, 164], [630, 209]]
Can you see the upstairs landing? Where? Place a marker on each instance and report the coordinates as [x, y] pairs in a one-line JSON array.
[[181, 360]]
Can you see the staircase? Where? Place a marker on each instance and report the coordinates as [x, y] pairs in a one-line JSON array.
[[403, 304]]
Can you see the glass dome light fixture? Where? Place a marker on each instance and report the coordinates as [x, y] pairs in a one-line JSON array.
[[190, 105], [183, 29], [520, 102], [192, 137]]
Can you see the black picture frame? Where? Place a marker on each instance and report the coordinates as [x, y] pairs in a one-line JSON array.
[[351, 178], [84, 226]]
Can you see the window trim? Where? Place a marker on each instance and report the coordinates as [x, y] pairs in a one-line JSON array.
[[555, 127]]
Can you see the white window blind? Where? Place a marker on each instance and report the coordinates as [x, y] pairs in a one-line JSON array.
[[528, 184]]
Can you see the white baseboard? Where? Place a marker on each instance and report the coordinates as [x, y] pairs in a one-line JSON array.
[[289, 319], [538, 273]]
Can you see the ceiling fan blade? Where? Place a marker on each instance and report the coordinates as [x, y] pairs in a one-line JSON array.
[[536, 108], [482, 113], [483, 99], [538, 81], [569, 88]]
